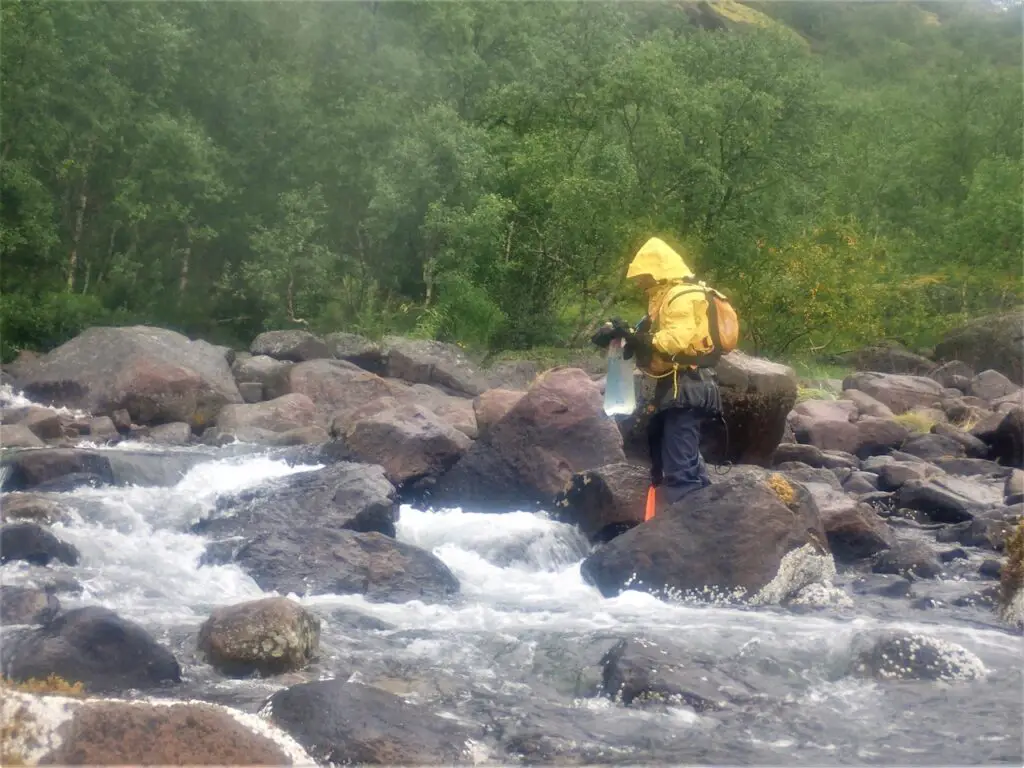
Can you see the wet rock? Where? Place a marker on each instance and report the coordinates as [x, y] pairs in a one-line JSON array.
[[268, 636], [866, 404], [312, 560], [992, 385], [709, 546], [854, 530], [893, 476], [990, 568], [837, 460], [950, 499], [1013, 489], [155, 374], [1005, 438], [972, 468], [342, 723], [27, 469], [861, 482], [606, 501], [176, 433], [336, 387], [811, 475], [877, 436], [264, 372], [956, 374], [293, 346], [557, 429], [899, 392], [26, 605], [933, 446], [406, 439], [102, 429], [1009, 402], [972, 446], [349, 618], [433, 362], [492, 406], [908, 557], [57, 730], [344, 495], [639, 671], [30, 507], [18, 436], [987, 533], [882, 585], [988, 342], [950, 555], [35, 545], [93, 646], [357, 350], [278, 415], [901, 655], [44, 423]]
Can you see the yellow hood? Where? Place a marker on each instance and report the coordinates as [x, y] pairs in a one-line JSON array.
[[660, 261]]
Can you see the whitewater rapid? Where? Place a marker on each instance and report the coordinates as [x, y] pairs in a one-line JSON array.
[[523, 617]]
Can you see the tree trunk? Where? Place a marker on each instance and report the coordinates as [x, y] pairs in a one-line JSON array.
[[76, 237], [186, 256]]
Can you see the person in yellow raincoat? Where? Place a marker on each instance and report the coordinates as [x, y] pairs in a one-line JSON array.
[[672, 344]]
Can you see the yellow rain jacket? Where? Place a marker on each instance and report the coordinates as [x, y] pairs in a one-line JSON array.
[[679, 320]]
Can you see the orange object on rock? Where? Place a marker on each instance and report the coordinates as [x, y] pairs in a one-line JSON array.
[[649, 512]]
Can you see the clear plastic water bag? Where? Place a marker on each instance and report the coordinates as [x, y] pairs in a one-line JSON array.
[[620, 385]]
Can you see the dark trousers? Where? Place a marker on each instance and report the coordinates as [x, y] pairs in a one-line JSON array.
[[677, 468]]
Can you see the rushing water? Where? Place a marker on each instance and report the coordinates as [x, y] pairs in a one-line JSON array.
[[515, 657]]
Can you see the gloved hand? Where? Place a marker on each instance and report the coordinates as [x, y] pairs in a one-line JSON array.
[[641, 345], [611, 330]]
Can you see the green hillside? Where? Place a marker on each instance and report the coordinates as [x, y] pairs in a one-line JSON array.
[[482, 172]]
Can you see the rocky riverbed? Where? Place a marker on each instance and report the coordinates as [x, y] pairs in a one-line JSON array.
[[334, 550]]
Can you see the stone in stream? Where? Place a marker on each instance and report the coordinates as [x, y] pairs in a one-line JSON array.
[[35, 545], [605, 501], [524, 460], [339, 722], [711, 547], [268, 636], [26, 605], [901, 655], [92, 646], [63, 728]]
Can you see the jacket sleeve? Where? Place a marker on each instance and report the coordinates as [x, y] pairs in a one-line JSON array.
[[681, 325]]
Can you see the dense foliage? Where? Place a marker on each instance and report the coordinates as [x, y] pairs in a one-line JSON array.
[[482, 172]]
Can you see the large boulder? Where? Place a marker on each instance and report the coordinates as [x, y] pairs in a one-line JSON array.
[[29, 469], [868, 437], [605, 501], [32, 544], [557, 429], [992, 385], [268, 375], [899, 392], [357, 350], [92, 646], [866, 404], [433, 362], [295, 346], [49, 729], [995, 341], [1005, 437], [155, 374], [278, 415], [19, 436], [492, 406], [268, 636], [743, 539], [337, 387], [344, 495], [406, 439], [457, 412], [757, 396], [854, 530], [952, 499], [340, 722], [317, 560]]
